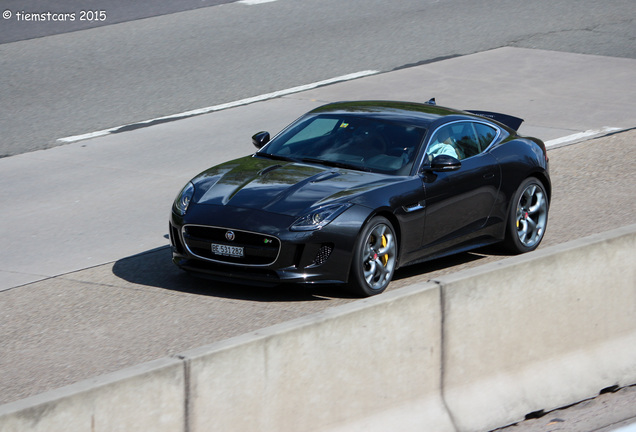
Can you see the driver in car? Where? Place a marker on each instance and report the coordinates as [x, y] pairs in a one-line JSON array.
[[442, 145]]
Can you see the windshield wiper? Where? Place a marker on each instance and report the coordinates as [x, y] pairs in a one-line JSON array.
[[330, 163], [276, 157], [336, 164]]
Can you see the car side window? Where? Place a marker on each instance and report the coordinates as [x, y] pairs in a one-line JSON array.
[[457, 139], [466, 138], [485, 134], [461, 139], [443, 143]]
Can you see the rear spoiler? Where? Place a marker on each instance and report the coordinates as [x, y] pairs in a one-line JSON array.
[[508, 120]]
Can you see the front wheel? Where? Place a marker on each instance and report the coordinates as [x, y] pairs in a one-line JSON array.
[[374, 258], [528, 216]]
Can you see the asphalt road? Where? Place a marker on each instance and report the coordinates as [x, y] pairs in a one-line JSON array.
[[83, 81], [610, 411], [30, 19]]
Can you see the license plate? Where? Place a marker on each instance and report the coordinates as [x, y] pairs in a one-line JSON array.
[[225, 250]]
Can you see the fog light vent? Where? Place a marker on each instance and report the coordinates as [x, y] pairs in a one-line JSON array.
[[323, 254]]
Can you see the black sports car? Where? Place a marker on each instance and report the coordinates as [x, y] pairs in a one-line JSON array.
[[352, 191]]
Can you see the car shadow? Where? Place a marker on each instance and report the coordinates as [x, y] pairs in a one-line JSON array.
[[154, 268], [439, 264]]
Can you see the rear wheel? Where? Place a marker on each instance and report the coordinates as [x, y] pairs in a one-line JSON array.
[[374, 258], [528, 216]]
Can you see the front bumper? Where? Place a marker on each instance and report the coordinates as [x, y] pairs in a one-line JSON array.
[[321, 256]]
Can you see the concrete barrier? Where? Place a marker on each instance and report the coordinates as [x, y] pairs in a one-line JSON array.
[[471, 351], [148, 397], [362, 366], [539, 331]]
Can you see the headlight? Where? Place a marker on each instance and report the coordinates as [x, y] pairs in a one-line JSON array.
[[182, 201], [319, 217]]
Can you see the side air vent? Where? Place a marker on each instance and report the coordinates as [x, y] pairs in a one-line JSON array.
[[323, 254], [175, 239], [414, 207]]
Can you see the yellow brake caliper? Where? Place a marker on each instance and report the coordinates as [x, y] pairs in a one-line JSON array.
[[385, 257]]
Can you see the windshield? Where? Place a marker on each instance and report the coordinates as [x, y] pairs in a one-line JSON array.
[[349, 141]]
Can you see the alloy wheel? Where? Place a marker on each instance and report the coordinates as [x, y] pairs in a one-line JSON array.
[[378, 259], [532, 215]]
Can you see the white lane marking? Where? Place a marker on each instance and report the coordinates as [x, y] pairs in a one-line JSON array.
[[628, 428], [210, 109], [82, 137], [255, 2], [580, 136]]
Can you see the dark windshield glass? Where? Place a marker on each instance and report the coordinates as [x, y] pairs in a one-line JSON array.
[[362, 143]]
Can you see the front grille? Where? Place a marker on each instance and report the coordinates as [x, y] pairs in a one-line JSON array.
[[258, 249]]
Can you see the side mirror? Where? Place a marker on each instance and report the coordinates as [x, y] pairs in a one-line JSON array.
[[444, 163], [260, 139]]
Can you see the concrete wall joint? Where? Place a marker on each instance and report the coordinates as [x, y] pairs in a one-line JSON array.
[[442, 375], [187, 397]]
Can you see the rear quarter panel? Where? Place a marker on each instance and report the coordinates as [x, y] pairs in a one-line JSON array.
[[519, 158]]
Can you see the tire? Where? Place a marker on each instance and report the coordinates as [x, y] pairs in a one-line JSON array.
[[374, 258], [527, 217]]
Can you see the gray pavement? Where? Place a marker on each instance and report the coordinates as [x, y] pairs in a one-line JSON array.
[[94, 201], [65, 16], [612, 411], [80, 82], [86, 227], [86, 286], [139, 308]]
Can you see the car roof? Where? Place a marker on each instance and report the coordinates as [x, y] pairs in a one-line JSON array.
[[419, 114]]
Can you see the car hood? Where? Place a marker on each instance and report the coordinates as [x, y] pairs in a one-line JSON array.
[[282, 187]]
